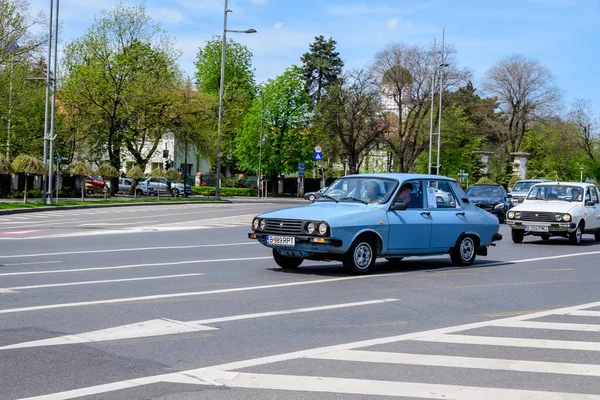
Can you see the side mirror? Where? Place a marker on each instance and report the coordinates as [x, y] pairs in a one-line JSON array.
[[509, 190], [398, 205], [590, 203], [509, 195], [465, 200]]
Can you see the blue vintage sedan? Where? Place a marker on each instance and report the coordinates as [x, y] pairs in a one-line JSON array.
[[362, 217]]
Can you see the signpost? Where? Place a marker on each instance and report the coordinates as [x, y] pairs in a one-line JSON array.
[[301, 171], [463, 176]]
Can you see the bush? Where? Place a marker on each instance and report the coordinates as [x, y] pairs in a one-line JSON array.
[[225, 191], [32, 193], [513, 180], [486, 181]]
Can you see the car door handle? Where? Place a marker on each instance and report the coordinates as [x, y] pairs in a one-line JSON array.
[[462, 213], [426, 213]]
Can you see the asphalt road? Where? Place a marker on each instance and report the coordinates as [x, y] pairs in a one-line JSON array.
[[174, 302]]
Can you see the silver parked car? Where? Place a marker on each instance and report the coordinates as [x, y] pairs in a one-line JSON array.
[[140, 189]]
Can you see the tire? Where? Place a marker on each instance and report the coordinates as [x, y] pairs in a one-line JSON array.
[[517, 235], [545, 238], [175, 193], [286, 262], [139, 193], [464, 252], [360, 257], [597, 236], [311, 198], [575, 236]]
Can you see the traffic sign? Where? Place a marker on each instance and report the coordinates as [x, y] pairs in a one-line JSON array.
[[301, 169], [318, 156], [318, 149]]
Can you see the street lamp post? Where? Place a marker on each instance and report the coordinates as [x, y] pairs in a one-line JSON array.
[[580, 174], [221, 91], [262, 108]]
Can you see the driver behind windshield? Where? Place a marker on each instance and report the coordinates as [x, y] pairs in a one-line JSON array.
[[372, 191]]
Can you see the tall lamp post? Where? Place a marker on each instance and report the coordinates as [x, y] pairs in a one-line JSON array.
[[221, 91]]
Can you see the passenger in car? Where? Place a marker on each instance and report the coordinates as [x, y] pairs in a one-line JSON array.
[[404, 195], [575, 194]]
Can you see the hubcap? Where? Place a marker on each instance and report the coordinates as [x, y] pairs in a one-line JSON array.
[[467, 248], [362, 256]]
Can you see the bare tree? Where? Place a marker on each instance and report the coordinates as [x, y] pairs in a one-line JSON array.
[[525, 91], [16, 37], [581, 116], [351, 111], [405, 74]]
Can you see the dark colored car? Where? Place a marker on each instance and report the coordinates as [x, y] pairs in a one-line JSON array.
[[490, 197], [312, 196]]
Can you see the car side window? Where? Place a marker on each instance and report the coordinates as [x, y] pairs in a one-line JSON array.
[[440, 195], [594, 193]]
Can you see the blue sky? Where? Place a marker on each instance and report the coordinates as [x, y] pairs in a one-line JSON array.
[[563, 35]]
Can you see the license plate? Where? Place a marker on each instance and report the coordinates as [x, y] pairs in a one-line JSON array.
[[287, 241], [536, 228]]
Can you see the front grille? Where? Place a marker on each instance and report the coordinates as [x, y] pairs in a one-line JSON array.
[[286, 226], [486, 207], [537, 216]]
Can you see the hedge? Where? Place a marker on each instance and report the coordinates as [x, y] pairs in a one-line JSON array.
[[225, 191]]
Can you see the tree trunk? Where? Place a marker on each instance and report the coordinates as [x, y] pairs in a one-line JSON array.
[[25, 192], [82, 183]]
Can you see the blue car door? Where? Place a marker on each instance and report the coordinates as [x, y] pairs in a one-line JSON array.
[[448, 219], [410, 229]]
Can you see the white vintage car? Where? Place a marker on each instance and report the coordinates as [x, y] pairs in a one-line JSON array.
[[567, 209]]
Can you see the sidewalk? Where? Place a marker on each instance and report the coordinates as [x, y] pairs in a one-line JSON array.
[[133, 203]]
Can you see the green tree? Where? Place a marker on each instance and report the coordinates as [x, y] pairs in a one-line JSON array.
[[351, 112], [107, 172], [157, 173], [239, 89], [136, 174], [80, 169], [322, 66], [17, 38], [28, 165], [286, 139], [5, 167], [117, 87]]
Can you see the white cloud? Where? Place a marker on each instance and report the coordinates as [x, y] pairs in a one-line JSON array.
[[259, 1], [392, 23], [278, 25]]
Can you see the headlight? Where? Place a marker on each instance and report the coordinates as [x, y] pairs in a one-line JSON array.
[[498, 206], [517, 215], [310, 227], [262, 224], [511, 214], [255, 224], [566, 217], [323, 228], [557, 217]]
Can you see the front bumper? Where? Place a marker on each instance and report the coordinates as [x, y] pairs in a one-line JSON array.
[[553, 227], [300, 239]]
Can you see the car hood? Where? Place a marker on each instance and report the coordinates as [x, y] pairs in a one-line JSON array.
[[321, 211], [542, 205], [486, 200]]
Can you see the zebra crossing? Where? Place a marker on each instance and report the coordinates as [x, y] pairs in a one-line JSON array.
[[525, 357]]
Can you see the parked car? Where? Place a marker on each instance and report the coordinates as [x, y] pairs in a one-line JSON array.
[[156, 183], [351, 224], [125, 185], [312, 196], [521, 188], [141, 189], [179, 189], [491, 198], [567, 209]]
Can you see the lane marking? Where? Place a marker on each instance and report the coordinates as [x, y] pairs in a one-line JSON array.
[[584, 313], [512, 342], [114, 223], [56, 271], [511, 313], [50, 285], [462, 362], [160, 327], [31, 263], [557, 326], [23, 232], [211, 375], [195, 246]]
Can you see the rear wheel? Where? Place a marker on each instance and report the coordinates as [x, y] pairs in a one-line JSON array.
[[597, 236], [545, 237], [517, 235], [139, 192], [286, 262], [463, 253], [361, 256], [175, 192], [575, 236], [311, 197]]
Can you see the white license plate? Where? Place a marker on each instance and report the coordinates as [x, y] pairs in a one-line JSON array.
[[536, 228], [287, 241]]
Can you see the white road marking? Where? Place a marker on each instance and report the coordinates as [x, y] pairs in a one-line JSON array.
[[146, 278], [195, 246], [584, 313], [461, 362], [512, 342], [175, 295], [32, 263], [115, 223], [159, 327], [131, 266], [560, 326], [222, 374]]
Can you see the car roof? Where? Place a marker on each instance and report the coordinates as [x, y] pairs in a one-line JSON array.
[[580, 184], [400, 176]]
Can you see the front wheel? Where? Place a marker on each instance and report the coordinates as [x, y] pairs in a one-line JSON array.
[[175, 193], [463, 253], [360, 257], [517, 235], [575, 236], [286, 262], [311, 198]]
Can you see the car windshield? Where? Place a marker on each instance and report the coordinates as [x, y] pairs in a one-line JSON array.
[[555, 193], [485, 191], [369, 190], [523, 186]]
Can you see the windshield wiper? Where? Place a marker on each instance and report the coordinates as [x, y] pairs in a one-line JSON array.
[[326, 196], [353, 199]]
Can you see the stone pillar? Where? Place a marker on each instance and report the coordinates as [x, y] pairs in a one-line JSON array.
[[520, 164]]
